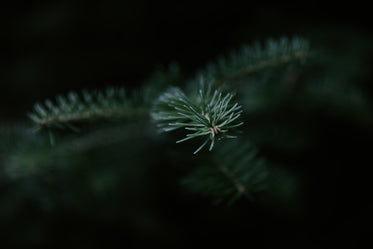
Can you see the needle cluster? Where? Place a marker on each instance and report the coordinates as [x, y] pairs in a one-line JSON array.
[[210, 115]]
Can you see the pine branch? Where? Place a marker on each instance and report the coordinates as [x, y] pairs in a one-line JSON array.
[[210, 114], [234, 171], [266, 64], [241, 190], [110, 104], [254, 58]]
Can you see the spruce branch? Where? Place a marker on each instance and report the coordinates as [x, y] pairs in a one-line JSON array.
[[241, 190], [67, 111], [232, 172], [208, 115], [250, 59]]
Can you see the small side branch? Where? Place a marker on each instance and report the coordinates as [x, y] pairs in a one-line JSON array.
[[265, 64], [241, 189]]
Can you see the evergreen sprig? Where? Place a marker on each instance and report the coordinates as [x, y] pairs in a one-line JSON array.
[[108, 104], [233, 171], [256, 57], [211, 114]]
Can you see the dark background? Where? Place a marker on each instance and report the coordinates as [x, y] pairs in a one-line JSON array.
[[54, 47]]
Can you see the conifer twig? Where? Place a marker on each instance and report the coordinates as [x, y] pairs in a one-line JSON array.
[[233, 171], [241, 190], [67, 111], [256, 57], [91, 115], [211, 114], [265, 64]]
